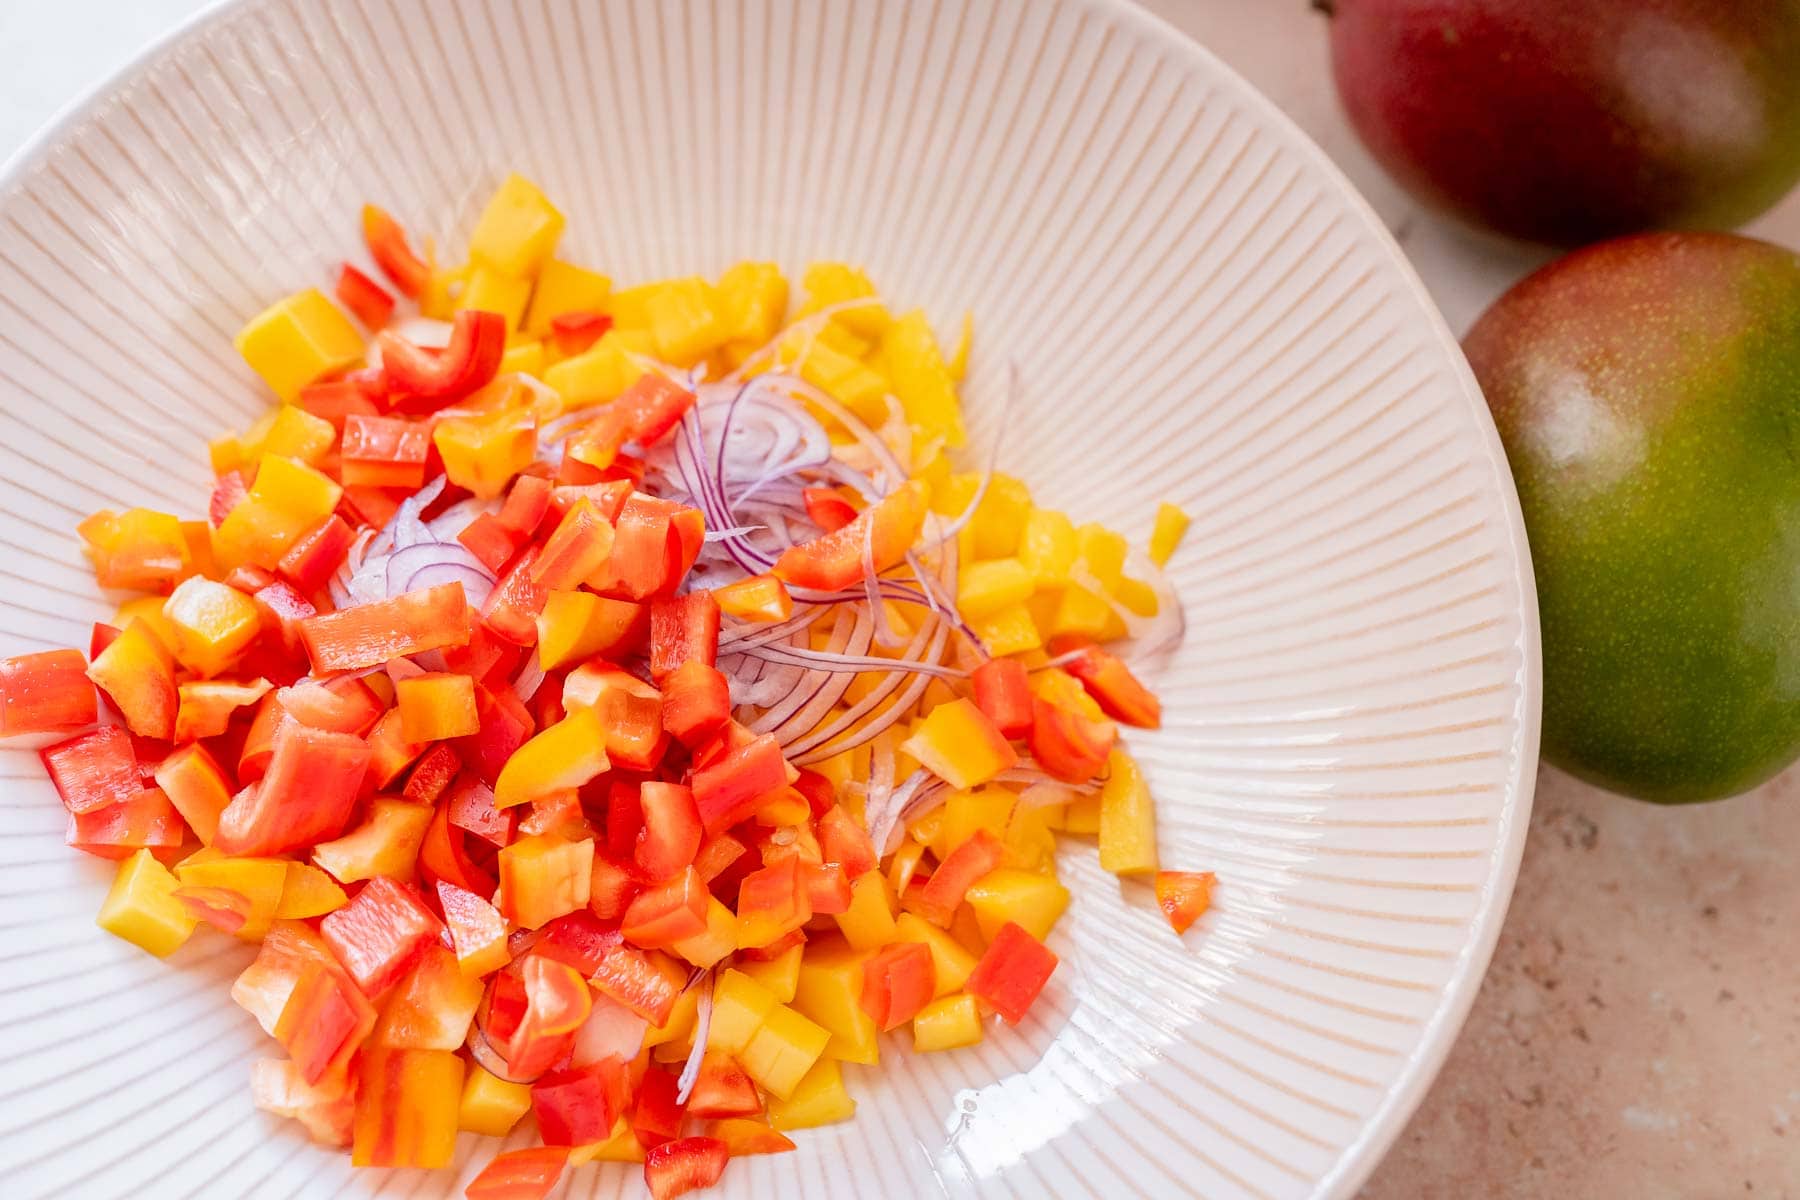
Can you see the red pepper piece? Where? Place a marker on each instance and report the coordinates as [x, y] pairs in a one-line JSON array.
[[579, 546], [433, 378], [335, 400], [379, 933], [696, 702], [684, 1165], [1012, 972], [643, 413], [579, 939], [372, 304], [443, 856], [966, 864], [898, 981], [528, 1174], [834, 561], [1003, 694], [471, 808], [611, 887], [1112, 685], [512, 608], [668, 913], [655, 543], [526, 505], [305, 795], [669, 837], [739, 783], [387, 244], [371, 634], [506, 725], [577, 1107], [683, 629], [316, 555], [574, 332], [490, 541], [146, 819], [324, 1021], [93, 770], [843, 840], [1183, 896], [716, 854], [432, 774], [388, 452], [722, 1089], [820, 795], [647, 982], [624, 819], [1067, 744], [826, 509], [228, 489], [827, 887], [656, 1117]]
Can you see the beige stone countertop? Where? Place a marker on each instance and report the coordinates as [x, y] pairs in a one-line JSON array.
[[1638, 1034]]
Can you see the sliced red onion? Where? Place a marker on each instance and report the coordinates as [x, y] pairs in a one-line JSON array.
[[883, 808], [406, 527], [529, 679], [453, 520], [749, 633], [825, 660], [816, 691], [690, 1071], [848, 729], [431, 564]]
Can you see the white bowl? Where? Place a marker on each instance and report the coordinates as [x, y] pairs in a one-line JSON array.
[[1201, 311]]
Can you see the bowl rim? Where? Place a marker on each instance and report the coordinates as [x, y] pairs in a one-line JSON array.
[[1365, 1152]]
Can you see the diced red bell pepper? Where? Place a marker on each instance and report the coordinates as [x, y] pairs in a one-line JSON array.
[[1183, 896], [772, 902], [316, 555], [45, 693], [406, 1108], [696, 702], [826, 508], [579, 939], [387, 244], [722, 1089], [324, 1022], [431, 379], [371, 303], [647, 982], [1003, 693], [683, 629], [624, 819], [1067, 744], [305, 795], [953, 878], [488, 658], [225, 909], [776, 948], [379, 933], [471, 807], [574, 332], [834, 561], [656, 1117], [227, 490], [827, 887], [389, 752], [845, 841], [143, 820], [431, 776], [196, 785], [506, 725], [490, 541], [342, 705], [684, 1165], [643, 413], [137, 674], [670, 834], [388, 452], [443, 856], [898, 981], [259, 738], [526, 505], [1012, 972], [577, 1107], [717, 854], [735, 786], [93, 770], [821, 795], [557, 1000], [744, 1137], [331, 400], [611, 886], [373, 505], [575, 550], [655, 543], [528, 1174], [282, 609], [371, 634], [669, 912], [1112, 685], [513, 606], [103, 635]]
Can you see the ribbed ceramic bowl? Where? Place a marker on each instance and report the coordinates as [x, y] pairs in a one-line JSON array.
[[1200, 310]]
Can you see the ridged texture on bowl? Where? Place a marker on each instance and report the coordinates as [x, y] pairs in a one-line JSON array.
[[1199, 312]]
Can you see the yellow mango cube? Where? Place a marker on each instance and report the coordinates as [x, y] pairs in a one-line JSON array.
[[601, 372], [752, 297], [1000, 519], [1103, 554], [960, 744], [851, 383], [308, 892], [1047, 547], [487, 290], [950, 957], [1011, 630], [783, 1050], [1082, 612], [683, 319], [828, 990], [491, 1105], [297, 341], [483, 453], [213, 624], [1166, 534], [261, 881], [869, 921], [718, 939], [1127, 819], [287, 499], [958, 366], [1083, 814], [141, 907], [1028, 840], [1033, 900], [904, 865], [968, 812], [517, 231], [819, 1098], [621, 1145], [911, 359], [947, 1023], [294, 433], [987, 587], [443, 288], [829, 284], [563, 287], [523, 358], [780, 975], [1137, 596], [740, 1005]]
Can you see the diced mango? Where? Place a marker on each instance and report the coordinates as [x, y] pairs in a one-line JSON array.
[[1033, 901], [819, 1098], [287, 499], [1000, 518], [1102, 553], [213, 624], [828, 990], [1137, 596], [832, 283], [297, 341], [752, 296], [958, 366], [1028, 840], [783, 1050], [601, 372], [1083, 814], [684, 319], [1080, 612], [1166, 534], [563, 287], [904, 865], [483, 453], [1127, 819], [947, 1023], [910, 357], [517, 231], [1048, 546], [869, 921], [141, 907], [443, 289], [968, 812], [294, 433], [987, 587], [149, 610], [951, 958], [959, 743], [740, 1005], [862, 390], [1011, 630], [523, 358], [621, 1145], [781, 974], [488, 290], [491, 1105]]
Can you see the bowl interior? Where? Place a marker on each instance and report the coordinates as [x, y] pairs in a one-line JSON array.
[[1198, 311]]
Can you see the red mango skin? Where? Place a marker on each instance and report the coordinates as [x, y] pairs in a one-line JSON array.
[[1647, 391], [1570, 121]]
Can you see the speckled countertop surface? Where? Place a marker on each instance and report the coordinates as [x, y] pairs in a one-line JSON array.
[[1638, 1034]]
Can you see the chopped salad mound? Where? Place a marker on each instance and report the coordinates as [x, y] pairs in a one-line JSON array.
[[616, 709]]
